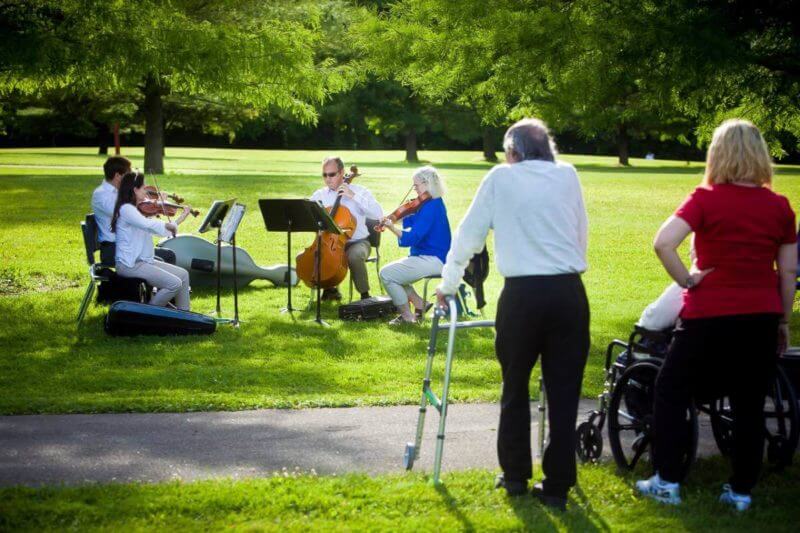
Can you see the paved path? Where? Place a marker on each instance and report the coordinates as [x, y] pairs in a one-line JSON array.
[[70, 449]]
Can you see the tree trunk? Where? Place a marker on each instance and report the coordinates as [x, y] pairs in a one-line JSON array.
[[153, 128], [102, 138], [489, 151], [411, 146], [116, 139], [622, 145]]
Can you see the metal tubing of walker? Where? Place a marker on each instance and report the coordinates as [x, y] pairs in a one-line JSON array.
[[542, 418], [426, 385], [451, 337]]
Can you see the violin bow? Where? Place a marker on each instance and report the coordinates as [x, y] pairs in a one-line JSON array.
[[160, 199]]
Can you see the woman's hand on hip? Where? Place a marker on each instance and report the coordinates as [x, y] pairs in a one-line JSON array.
[[698, 275]]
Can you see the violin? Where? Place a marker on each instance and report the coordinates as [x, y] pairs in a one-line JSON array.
[[154, 208], [407, 208], [153, 193]]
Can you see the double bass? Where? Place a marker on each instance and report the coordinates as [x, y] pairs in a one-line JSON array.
[[333, 259]]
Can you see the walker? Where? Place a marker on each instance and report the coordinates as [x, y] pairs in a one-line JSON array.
[[429, 397]]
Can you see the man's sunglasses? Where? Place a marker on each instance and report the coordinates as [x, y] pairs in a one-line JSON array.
[[329, 174]]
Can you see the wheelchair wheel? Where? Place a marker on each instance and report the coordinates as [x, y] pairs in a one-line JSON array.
[[590, 442], [781, 422], [630, 417]]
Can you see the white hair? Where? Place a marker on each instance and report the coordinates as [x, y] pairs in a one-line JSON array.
[[430, 177], [528, 139]]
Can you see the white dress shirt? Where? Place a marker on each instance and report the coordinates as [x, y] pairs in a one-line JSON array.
[[540, 226], [104, 198], [363, 205], [135, 236]]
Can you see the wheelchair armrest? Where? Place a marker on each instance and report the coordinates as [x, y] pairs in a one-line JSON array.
[[663, 335]]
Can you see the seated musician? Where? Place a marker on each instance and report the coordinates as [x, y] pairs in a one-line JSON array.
[[362, 205], [427, 233], [134, 238], [104, 198]]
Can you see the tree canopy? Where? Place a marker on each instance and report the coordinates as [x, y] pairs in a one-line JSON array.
[[608, 68], [239, 53]]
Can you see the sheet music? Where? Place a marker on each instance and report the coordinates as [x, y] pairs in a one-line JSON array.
[[231, 223]]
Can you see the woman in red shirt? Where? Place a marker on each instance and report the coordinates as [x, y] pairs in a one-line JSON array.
[[736, 307]]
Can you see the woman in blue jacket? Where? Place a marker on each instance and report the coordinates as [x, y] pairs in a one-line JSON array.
[[427, 233]]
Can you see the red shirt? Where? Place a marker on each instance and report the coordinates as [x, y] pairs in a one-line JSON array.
[[738, 231]]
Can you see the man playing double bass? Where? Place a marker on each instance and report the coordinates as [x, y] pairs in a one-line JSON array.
[[362, 205]]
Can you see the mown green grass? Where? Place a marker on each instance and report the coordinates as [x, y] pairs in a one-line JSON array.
[[602, 501], [273, 361]]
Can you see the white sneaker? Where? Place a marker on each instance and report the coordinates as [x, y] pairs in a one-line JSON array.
[[740, 502], [659, 490]]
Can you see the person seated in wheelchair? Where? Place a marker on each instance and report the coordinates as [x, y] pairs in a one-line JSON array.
[[655, 325]]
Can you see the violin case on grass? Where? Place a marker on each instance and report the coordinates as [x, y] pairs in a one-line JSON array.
[[368, 309], [133, 318]]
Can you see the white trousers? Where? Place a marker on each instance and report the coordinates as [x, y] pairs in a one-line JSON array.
[[398, 276], [170, 280]]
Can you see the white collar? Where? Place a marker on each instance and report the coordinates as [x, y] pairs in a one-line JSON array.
[[107, 186]]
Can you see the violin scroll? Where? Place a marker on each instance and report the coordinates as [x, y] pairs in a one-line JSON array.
[[408, 208]]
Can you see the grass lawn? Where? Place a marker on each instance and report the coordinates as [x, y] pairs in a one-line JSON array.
[[404, 502], [272, 361]]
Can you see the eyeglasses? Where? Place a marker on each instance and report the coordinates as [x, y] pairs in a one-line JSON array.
[[329, 174]]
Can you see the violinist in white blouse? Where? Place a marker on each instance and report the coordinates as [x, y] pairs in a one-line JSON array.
[[135, 252]]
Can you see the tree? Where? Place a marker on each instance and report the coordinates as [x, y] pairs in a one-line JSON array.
[[606, 68], [241, 53]]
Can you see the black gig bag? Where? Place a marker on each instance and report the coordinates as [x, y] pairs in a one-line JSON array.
[[372, 308], [133, 318]]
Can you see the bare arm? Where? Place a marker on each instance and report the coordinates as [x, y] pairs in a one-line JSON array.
[[669, 237]]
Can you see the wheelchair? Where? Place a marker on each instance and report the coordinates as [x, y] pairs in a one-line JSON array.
[[626, 407]]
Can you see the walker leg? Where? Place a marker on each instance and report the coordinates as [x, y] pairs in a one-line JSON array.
[[451, 336], [412, 449], [542, 420]]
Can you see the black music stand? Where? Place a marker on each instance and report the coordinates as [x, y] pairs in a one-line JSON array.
[[298, 216], [214, 219]]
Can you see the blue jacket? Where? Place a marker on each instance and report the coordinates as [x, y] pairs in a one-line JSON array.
[[427, 231]]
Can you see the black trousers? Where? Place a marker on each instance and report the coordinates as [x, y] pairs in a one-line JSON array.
[[545, 316], [107, 252], [709, 358]]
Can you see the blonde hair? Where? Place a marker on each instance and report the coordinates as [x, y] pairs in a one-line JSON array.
[[430, 177], [738, 154]]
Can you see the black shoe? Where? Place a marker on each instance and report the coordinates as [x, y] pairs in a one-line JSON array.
[[513, 487], [331, 295], [365, 295], [555, 502]]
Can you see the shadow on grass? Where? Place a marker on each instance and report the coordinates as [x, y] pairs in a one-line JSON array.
[[452, 508], [538, 517]]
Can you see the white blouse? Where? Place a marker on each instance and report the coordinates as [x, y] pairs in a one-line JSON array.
[[135, 236]]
